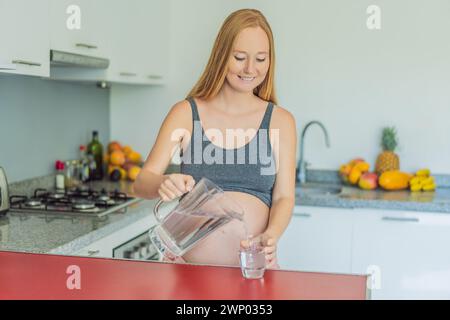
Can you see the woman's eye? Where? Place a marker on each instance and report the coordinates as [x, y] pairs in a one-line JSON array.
[[239, 58], [261, 60]]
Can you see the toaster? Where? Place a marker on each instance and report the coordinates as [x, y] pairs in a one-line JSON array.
[[4, 193]]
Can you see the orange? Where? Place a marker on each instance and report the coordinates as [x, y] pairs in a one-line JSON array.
[[114, 146], [134, 157], [127, 150], [117, 158]]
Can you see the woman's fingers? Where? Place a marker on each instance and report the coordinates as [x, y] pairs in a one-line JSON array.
[[168, 194], [163, 196], [273, 264], [177, 185], [170, 185], [271, 256]]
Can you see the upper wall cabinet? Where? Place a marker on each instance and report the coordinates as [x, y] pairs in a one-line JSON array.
[[24, 34], [133, 35], [139, 52], [78, 26]]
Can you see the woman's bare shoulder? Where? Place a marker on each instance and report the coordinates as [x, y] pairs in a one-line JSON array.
[[180, 114], [282, 117]]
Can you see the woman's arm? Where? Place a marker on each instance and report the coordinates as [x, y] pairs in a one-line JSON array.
[[172, 131], [283, 195]]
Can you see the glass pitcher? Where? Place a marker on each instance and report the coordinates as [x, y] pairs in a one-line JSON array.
[[199, 212]]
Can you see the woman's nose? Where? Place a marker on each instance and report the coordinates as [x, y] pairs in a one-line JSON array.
[[249, 67]]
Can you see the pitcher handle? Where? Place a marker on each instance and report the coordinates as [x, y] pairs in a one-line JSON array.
[[155, 211]]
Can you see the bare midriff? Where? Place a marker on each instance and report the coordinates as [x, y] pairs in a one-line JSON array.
[[222, 246]]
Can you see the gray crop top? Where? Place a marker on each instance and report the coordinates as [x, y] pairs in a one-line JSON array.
[[249, 169]]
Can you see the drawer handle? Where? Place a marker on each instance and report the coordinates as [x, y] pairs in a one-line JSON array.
[[154, 76], [93, 252], [128, 74], [85, 45], [28, 63], [400, 219], [303, 215]]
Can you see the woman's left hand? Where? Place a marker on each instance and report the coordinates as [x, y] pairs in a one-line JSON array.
[[269, 242]]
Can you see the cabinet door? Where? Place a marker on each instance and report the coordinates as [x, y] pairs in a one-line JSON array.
[[140, 49], [154, 45], [24, 36], [406, 253], [133, 35], [104, 246], [317, 239], [87, 37]]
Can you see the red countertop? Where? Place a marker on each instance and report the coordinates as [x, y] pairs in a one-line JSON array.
[[43, 276]]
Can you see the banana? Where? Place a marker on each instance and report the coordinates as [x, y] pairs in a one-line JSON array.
[[423, 173], [415, 180], [429, 180], [422, 181], [429, 187]]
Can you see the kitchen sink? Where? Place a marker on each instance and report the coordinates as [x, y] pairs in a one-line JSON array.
[[315, 190]]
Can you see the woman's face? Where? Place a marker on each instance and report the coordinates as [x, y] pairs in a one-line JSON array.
[[249, 60]]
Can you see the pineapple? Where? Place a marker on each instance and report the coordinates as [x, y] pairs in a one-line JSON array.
[[388, 160]]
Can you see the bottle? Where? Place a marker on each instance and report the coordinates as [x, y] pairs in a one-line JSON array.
[[92, 166], [59, 166], [95, 149], [71, 176], [84, 169]]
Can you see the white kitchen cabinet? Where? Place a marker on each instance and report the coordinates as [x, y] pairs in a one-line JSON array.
[[24, 37], [139, 53], [133, 35], [317, 239], [104, 246], [90, 36], [406, 252]]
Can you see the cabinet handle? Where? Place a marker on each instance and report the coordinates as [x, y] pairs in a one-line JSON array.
[[85, 45], [400, 219], [128, 74], [93, 252], [303, 215], [154, 76], [28, 63]]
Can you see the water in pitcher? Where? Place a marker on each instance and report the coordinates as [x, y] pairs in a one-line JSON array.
[[182, 231]]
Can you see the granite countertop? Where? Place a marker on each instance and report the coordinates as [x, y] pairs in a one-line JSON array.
[[40, 233], [50, 233], [343, 196]]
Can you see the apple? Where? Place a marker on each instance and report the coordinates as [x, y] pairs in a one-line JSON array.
[[368, 181], [356, 160]]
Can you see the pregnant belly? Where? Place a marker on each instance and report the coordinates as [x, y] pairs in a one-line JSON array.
[[222, 246]]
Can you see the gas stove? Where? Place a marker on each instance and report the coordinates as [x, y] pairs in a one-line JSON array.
[[80, 200]]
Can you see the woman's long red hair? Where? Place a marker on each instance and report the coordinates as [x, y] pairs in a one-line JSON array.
[[213, 76]]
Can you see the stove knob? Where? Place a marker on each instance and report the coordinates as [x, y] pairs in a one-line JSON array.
[[136, 252], [127, 254], [143, 249]]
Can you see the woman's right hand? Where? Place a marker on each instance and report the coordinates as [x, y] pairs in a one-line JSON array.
[[175, 185]]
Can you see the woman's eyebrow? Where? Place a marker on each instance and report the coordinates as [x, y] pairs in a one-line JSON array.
[[260, 52]]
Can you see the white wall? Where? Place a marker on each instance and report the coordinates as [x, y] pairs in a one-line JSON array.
[[330, 67], [42, 121]]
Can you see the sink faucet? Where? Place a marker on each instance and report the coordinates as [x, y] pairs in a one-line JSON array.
[[302, 164]]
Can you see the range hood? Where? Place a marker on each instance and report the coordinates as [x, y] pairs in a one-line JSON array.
[[67, 59]]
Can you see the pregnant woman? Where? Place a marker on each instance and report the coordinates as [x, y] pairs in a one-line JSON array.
[[230, 130]]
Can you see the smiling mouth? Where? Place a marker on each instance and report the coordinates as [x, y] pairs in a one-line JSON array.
[[247, 78]]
